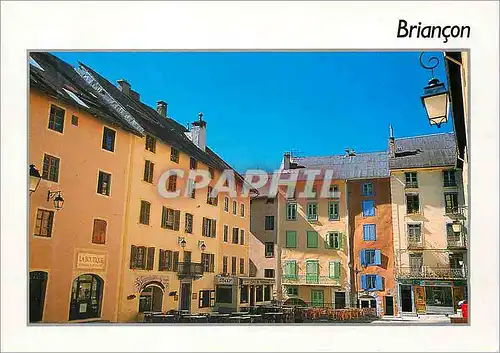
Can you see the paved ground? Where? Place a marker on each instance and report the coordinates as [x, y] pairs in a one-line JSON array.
[[414, 320]]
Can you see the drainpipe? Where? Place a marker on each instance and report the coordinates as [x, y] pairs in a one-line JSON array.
[[348, 243]]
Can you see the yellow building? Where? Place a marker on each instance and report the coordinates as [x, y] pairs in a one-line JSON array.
[[430, 235]]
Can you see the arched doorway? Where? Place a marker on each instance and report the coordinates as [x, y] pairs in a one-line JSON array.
[[151, 298], [38, 285], [86, 297]]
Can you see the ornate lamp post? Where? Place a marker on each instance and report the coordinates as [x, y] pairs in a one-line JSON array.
[[34, 178], [58, 200], [436, 97]]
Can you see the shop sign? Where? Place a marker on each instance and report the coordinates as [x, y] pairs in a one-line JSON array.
[[91, 261], [460, 283], [224, 280], [256, 281], [437, 283]]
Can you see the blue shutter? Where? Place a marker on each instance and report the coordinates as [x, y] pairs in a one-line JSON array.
[[372, 208], [363, 282], [365, 232], [372, 232], [378, 258], [379, 283], [362, 257], [365, 208]]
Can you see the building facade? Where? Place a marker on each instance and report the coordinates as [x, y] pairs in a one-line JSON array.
[[430, 234]]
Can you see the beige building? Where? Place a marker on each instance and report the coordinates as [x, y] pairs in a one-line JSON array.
[[430, 242]]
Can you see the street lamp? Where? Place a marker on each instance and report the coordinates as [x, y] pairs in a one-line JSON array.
[[58, 200], [202, 245], [34, 178], [435, 98], [182, 243], [456, 226]]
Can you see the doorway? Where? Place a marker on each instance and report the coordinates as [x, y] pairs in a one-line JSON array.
[[151, 299], [185, 296], [38, 285], [389, 306], [252, 296], [339, 300], [86, 297], [406, 302]]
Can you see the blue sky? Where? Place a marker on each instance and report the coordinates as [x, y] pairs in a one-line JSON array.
[[258, 105]]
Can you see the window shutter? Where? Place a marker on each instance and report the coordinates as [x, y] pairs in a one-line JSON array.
[[177, 220], [212, 263], [151, 258], [168, 260], [341, 241], [379, 283], [242, 237], [175, 261], [363, 282], [365, 208], [151, 171], [161, 263], [294, 269], [362, 258], [214, 228], [133, 257], [146, 170], [378, 258], [337, 269], [373, 232]]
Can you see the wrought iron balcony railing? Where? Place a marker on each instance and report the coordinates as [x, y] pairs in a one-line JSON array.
[[456, 242], [458, 213], [411, 185], [415, 242], [432, 272], [192, 270], [310, 279]]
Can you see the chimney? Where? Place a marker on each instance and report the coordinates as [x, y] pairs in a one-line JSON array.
[[124, 86], [161, 108], [286, 161], [199, 132], [392, 147], [135, 95]]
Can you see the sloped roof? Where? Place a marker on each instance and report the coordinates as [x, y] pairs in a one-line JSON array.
[[361, 166], [436, 150]]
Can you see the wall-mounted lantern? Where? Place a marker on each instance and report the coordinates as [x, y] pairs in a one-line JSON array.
[[34, 178], [436, 97], [201, 245], [58, 200], [456, 226], [182, 242]]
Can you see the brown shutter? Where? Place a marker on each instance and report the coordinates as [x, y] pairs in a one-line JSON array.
[[151, 258], [168, 260], [175, 264], [163, 217], [151, 171], [99, 183], [177, 220], [49, 223], [203, 227], [146, 170], [214, 228], [133, 257], [161, 263], [212, 263], [242, 237]]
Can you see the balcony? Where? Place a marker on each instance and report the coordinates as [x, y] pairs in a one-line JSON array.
[[312, 217], [457, 213], [310, 280], [191, 270], [456, 242], [415, 243], [432, 273], [411, 185]]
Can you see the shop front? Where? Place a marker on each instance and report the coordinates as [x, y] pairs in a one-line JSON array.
[[255, 291], [226, 293]]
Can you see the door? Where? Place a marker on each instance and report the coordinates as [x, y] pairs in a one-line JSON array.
[[86, 297], [389, 306], [339, 300], [406, 303], [185, 296], [420, 299], [458, 295], [312, 267], [38, 284], [252, 296], [317, 298]]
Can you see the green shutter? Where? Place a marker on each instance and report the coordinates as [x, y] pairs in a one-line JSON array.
[[291, 239], [312, 239], [312, 269], [337, 270], [290, 269]]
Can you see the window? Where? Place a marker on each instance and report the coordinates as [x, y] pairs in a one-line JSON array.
[[174, 155], [206, 298], [312, 211], [449, 178], [148, 171], [226, 233], [233, 265], [292, 290], [291, 211], [188, 223], [172, 183], [454, 238], [371, 257], [269, 223], [226, 204], [334, 269], [242, 266], [50, 168], [451, 202], [334, 240], [142, 257], [291, 269], [235, 206], [99, 231], [369, 233], [269, 273], [235, 235], [244, 294], [150, 143], [108, 139], [333, 211], [144, 214], [209, 227], [242, 210], [270, 200], [312, 239], [86, 292], [411, 180], [438, 296], [43, 223], [269, 249], [224, 294], [242, 237], [416, 263], [193, 163], [191, 189], [414, 234], [74, 120], [267, 293], [291, 239], [208, 262], [104, 183], [151, 299], [211, 200], [412, 204], [56, 119], [170, 219], [224, 265], [166, 262], [368, 208], [371, 282], [258, 294], [333, 191], [312, 271], [367, 189]]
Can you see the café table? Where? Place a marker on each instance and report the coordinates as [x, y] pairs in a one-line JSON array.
[[276, 316], [255, 318], [164, 318]]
